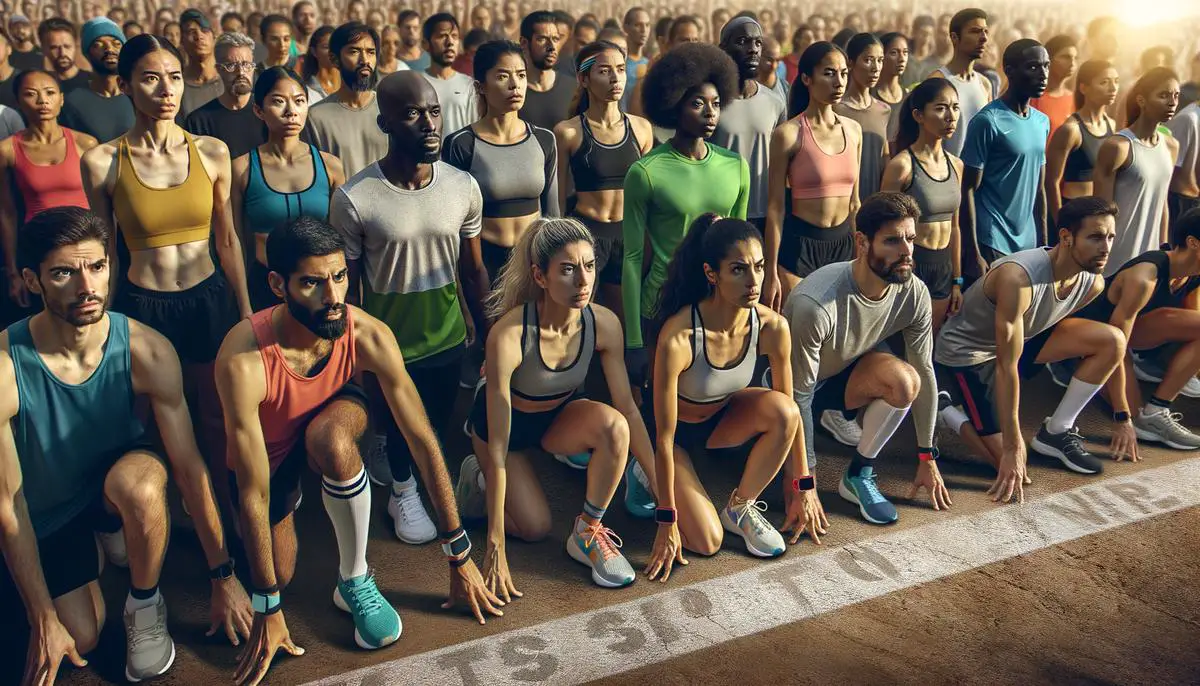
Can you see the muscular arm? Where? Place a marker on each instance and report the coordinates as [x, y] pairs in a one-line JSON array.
[[1039, 209], [611, 348], [8, 211], [1165, 233], [897, 175], [966, 213], [228, 245], [672, 356], [564, 136], [1112, 157], [1132, 290], [777, 340], [634, 226], [503, 354], [472, 274], [1010, 290], [918, 351], [783, 142]]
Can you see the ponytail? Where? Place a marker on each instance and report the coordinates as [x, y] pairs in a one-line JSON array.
[[707, 242], [536, 246], [909, 129], [812, 56], [583, 65]]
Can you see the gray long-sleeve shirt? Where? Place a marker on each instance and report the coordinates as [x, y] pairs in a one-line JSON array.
[[833, 324]]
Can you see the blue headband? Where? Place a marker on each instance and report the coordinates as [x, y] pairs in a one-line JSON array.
[[587, 64]]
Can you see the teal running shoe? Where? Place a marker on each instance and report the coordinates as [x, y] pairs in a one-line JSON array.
[[576, 461], [862, 490], [376, 623], [639, 496]]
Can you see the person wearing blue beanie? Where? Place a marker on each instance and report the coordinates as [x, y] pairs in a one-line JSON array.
[[100, 110]]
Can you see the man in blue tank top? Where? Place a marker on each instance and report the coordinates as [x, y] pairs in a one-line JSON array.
[[74, 461]]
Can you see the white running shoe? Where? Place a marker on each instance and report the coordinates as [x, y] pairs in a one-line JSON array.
[[472, 502], [1192, 388], [114, 547], [846, 431], [412, 522], [379, 470], [1165, 427]]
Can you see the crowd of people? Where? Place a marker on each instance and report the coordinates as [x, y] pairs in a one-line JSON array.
[[241, 245]]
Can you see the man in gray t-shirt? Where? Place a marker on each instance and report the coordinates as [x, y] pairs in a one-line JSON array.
[[840, 316], [455, 90], [346, 123]]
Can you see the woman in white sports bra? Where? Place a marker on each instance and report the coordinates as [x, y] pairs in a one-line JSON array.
[[545, 335], [712, 330]]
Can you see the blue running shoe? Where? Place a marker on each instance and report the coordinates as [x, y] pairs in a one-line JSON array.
[[376, 623], [576, 461], [639, 496], [862, 490]]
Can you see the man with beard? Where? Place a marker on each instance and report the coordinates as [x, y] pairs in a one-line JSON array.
[[286, 383], [636, 26], [346, 123], [411, 53], [746, 123], [230, 117], [57, 38], [840, 316], [548, 97], [1013, 321], [25, 54], [7, 97], [411, 224], [101, 110], [201, 82], [304, 21], [75, 461], [455, 91], [969, 36], [1004, 165]]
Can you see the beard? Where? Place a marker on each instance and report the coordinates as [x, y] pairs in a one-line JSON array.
[[317, 322], [356, 82], [101, 67], [890, 273], [1095, 265], [69, 312], [241, 87], [546, 62]]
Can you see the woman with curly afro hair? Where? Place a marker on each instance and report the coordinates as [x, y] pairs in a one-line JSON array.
[[678, 181]]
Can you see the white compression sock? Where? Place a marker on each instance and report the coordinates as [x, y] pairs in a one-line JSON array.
[[954, 418], [348, 504], [880, 421], [1073, 401]]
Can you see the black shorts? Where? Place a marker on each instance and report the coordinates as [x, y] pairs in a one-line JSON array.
[[1177, 206], [830, 394], [759, 223], [974, 387], [689, 436], [525, 429], [494, 259], [610, 248], [935, 268], [990, 254], [195, 321], [804, 247], [261, 295]]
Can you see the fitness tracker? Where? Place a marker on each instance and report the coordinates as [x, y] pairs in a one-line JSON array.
[[265, 603], [456, 545], [957, 281], [927, 454], [1120, 416], [222, 571], [804, 483], [665, 515]]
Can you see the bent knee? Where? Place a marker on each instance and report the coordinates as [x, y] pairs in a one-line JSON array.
[[780, 410], [903, 384], [706, 544], [85, 631], [614, 430], [326, 439]]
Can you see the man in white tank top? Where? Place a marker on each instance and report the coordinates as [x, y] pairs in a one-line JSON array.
[[969, 36]]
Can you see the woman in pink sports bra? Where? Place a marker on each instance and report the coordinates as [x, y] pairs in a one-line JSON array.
[[813, 191]]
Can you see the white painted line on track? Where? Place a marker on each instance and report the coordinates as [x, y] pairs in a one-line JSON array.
[[622, 637]]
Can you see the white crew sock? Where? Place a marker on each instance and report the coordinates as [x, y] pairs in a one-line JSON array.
[[1073, 401], [400, 487], [880, 421], [348, 504]]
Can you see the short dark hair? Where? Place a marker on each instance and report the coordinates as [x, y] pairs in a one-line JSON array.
[[56, 228], [266, 81], [488, 55], [884, 207], [961, 17], [476, 38], [56, 24], [1015, 51], [138, 47], [663, 26], [680, 21], [405, 15], [1186, 226], [678, 72], [271, 20], [1075, 210], [564, 17], [631, 13], [586, 24], [431, 23], [18, 81], [296, 7], [233, 15], [533, 19], [1059, 43], [348, 33], [306, 237]]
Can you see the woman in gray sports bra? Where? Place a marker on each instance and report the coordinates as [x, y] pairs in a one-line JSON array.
[[923, 169], [539, 349], [712, 329], [1071, 152]]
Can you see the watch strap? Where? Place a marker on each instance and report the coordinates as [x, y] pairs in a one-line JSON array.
[[665, 515], [222, 571], [804, 483], [1120, 416], [927, 454], [457, 546]]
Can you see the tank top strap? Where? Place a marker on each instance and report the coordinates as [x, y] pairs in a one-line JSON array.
[[755, 324], [698, 352], [630, 135], [589, 331], [254, 169], [20, 159], [72, 148], [320, 173], [195, 162], [530, 336], [264, 333]]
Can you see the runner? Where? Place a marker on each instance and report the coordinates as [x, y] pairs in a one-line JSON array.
[[229, 117], [685, 89], [276, 34], [1004, 161], [411, 53], [969, 36], [201, 81], [931, 176], [1134, 167], [389, 51], [814, 177], [839, 318], [281, 180], [7, 72], [57, 37], [75, 461], [304, 19], [1058, 102], [285, 381], [747, 121], [596, 150], [889, 89], [864, 56], [1184, 192], [455, 91], [25, 53], [101, 110], [1016, 319], [1071, 152], [548, 99], [636, 25], [319, 69], [411, 225], [768, 73], [543, 340], [346, 122]]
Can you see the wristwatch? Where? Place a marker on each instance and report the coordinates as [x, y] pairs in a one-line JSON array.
[[665, 515], [957, 281], [457, 547], [1120, 416], [804, 483], [265, 603], [927, 454], [222, 571]]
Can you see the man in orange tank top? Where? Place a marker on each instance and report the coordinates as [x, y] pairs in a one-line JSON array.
[[284, 378]]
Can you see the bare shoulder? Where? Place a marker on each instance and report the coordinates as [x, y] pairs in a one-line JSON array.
[[9, 399], [100, 158], [6, 151], [148, 347], [567, 129], [608, 326], [239, 351], [83, 141], [333, 165], [212, 148], [770, 320]]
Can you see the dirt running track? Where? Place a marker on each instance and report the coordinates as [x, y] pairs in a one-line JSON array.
[[1093, 581]]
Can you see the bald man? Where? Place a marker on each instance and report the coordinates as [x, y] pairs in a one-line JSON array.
[[411, 224]]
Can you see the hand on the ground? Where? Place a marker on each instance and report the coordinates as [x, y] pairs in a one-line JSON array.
[[496, 577], [230, 609], [49, 643], [805, 513], [956, 298], [17, 291], [930, 477], [268, 635], [467, 588], [1011, 477], [1124, 442], [772, 293], [668, 552]]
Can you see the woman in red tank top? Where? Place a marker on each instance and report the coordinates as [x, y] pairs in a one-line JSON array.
[[43, 160]]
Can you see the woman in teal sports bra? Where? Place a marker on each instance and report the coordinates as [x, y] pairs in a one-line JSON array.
[[281, 180]]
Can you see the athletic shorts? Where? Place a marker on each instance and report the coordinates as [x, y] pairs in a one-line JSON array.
[[974, 387], [935, 269], [990, 254], [689, 436], [759, 223], [610, 248], [525, 429], [805, 247], [494, 259], [830, 394], [261, 295], [195, 321], [284, 489]]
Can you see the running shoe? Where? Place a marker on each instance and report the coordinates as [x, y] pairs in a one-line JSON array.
[[846, 431], [472, 503], [379, 471], [412, 522], [1061, 372], [746, 520], [576, 461], [598, 547], [1165, 427], [1068, 448], [149, 650], [1146, 369], [376, 623], [639, 495], [862, 490], [1192, 388], [114, 547]]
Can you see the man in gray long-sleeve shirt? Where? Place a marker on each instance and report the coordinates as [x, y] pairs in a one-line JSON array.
[[840, 316]]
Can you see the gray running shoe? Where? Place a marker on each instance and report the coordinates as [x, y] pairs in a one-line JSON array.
[[114, 547], [746, 520], [379, 470], [1068, 448], [472, 503], [598, 547], [846, 431], [1165, 427], [149, 650]]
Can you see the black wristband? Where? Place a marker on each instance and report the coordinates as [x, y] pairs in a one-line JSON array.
[[1120, 416], [222, 571], [268, 590], [458, 562], [450, 534]]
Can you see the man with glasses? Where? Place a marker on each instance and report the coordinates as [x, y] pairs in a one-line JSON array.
[[229, 117]]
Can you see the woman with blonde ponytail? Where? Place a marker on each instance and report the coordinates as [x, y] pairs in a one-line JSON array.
[[539, 349]]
